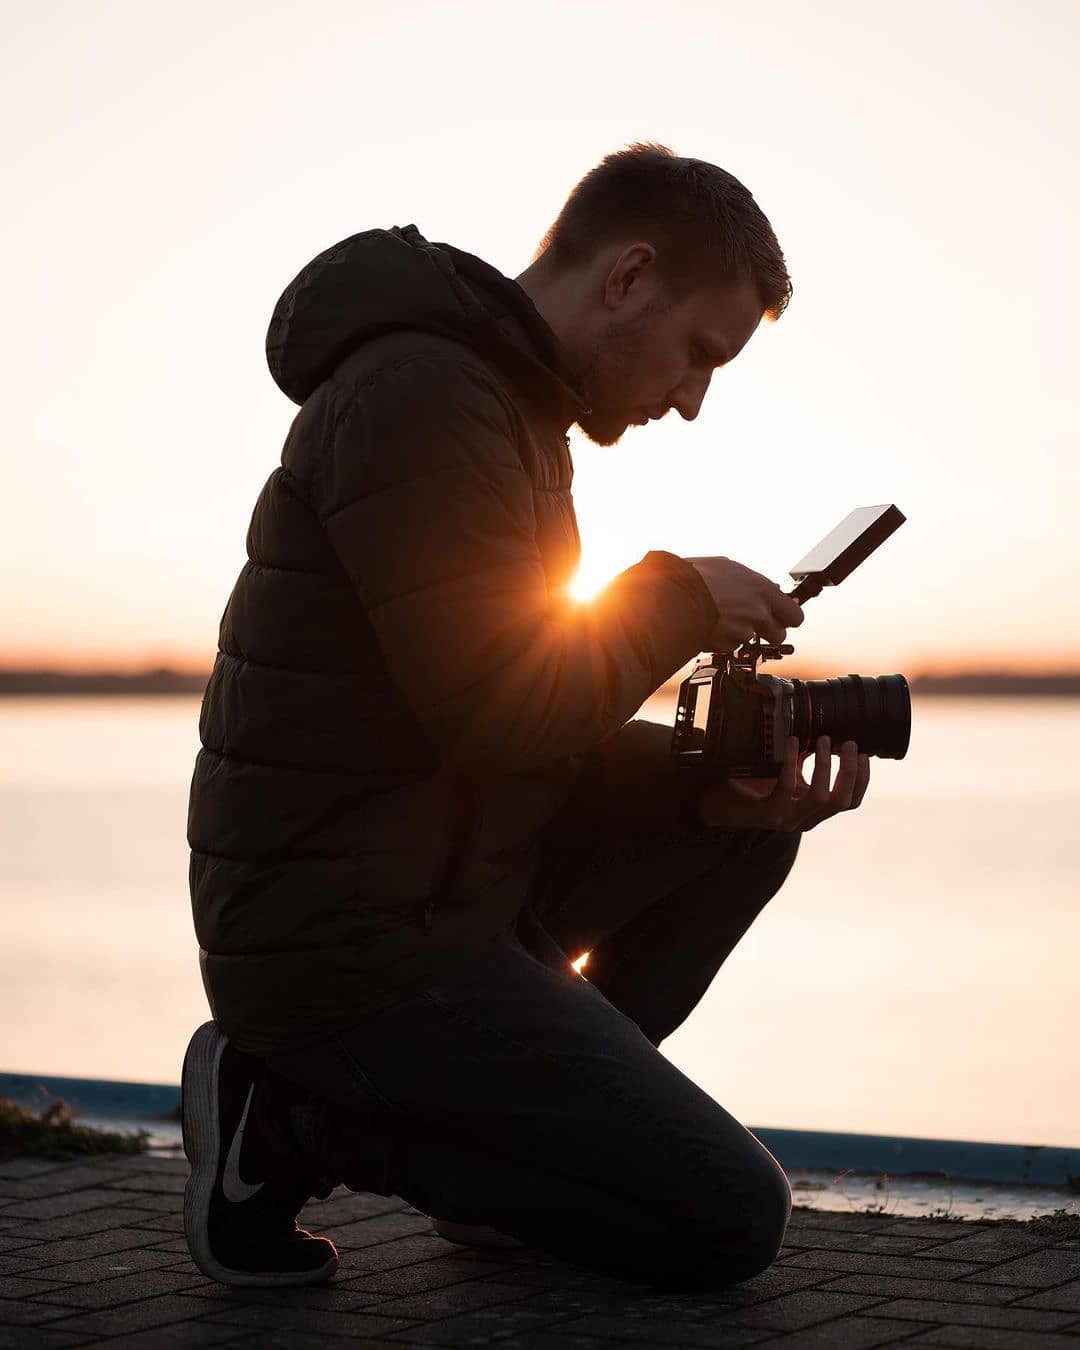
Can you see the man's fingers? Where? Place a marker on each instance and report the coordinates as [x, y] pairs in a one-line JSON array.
[[771, 630], [840, 799], [778, 613], [862, 781], [787, 781], [788, 611], [819, 781]]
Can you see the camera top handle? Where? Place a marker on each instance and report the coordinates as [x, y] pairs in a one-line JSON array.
[[827, 564]]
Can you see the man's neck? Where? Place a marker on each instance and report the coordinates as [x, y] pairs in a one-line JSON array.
[[555, 301]]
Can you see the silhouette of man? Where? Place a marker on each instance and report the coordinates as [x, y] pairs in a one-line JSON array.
[[422, 793]]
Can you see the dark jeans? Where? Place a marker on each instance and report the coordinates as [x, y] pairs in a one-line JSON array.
[[522, 1095]]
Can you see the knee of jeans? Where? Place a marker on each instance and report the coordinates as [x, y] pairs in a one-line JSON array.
[[738, 1240]]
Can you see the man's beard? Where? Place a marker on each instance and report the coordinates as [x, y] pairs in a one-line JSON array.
[[610, 376]]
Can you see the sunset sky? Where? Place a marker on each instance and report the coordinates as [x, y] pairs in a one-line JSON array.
[[171, 167]]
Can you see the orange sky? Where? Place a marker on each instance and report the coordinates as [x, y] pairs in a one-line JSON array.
[[917, 163]]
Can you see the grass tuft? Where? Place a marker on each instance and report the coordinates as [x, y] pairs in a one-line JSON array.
[[54, 1133]]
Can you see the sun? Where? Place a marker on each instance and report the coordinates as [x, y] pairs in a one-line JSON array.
[[590, 581]]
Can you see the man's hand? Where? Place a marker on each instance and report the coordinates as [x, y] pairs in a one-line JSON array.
[[791, 803], [747, 603]]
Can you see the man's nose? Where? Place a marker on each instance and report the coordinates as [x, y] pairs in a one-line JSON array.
[[688, 400]]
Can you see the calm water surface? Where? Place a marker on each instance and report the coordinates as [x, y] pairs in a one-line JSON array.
[[917, 974]]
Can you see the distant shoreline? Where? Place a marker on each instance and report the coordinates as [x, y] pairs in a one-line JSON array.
[[16, 683]]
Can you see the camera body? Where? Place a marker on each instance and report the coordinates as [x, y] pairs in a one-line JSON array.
[[743, 736], [732, 722]]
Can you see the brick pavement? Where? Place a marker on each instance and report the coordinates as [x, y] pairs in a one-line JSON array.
[[92, 1253]]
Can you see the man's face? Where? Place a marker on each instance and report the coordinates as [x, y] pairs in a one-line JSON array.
[[652, 356]]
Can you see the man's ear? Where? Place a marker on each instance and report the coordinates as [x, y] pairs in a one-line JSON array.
[[633, 264]]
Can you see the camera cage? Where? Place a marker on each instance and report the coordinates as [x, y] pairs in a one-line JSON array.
[[827, 564]]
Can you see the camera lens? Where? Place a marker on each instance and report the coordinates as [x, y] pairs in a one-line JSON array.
[[872, 710]]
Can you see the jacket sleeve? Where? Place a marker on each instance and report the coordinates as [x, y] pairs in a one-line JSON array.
[[427, 505]]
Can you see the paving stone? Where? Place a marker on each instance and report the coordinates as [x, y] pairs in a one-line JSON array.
[[52, 1206], [110, 1293], [858, 1264], [168, 1204], [829, 1239], [19, 1312], [131, 1317], [545, 1340], [181, 1336], [346, 1208], [939, 1228], [1041, 1269], [383, 1228], [945, 1291], [14, 1168], [969, 1314], [696, 1305], [127, 1262], [332, 1297], [483, 1328], [848, 1223], [991, 1338], [560, 1303], [850, 1333], [768, 1284], [389, 1255], [425, 1275], [87, 1245], [845, 1282], [265, 1339], [38, 1338], [173, 1244], [22, 1286], [366, 1244], [158, 1183], [283, 1317], [1065, 1296], [542, 1277], [992, 1244], [74, 1225], [169, 1222], [653, 1331], [17, 1263], [56, 1181], [457, 1298], [792, 1312], [145, 1162]]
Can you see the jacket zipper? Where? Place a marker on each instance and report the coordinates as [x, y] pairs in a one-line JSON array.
[[460, 832]]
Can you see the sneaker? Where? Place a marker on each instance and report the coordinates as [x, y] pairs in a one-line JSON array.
[[243, 1195]]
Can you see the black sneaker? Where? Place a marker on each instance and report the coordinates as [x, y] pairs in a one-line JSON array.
[[242, 1197]]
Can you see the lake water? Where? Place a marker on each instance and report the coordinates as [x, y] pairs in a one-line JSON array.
[[916, 975]]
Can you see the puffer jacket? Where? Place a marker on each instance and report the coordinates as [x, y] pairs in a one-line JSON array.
[[404, 690]]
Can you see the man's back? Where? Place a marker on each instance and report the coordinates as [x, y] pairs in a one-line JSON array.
[[364, 804]]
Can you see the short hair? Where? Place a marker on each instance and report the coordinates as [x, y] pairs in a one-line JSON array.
[[705, 225]]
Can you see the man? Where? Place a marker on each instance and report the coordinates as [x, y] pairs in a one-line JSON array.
[[419, 797]]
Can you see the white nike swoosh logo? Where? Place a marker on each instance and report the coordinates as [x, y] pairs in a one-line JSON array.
[[236, 1189]]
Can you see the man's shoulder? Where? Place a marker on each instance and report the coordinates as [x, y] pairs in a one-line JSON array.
[[431, 357]]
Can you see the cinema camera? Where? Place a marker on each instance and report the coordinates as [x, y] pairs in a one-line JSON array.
[[733, 723]]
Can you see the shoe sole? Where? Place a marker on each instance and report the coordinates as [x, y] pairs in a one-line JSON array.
[[201, 1134]]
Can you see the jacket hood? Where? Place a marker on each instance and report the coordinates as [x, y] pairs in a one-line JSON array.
[[380, 281]]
